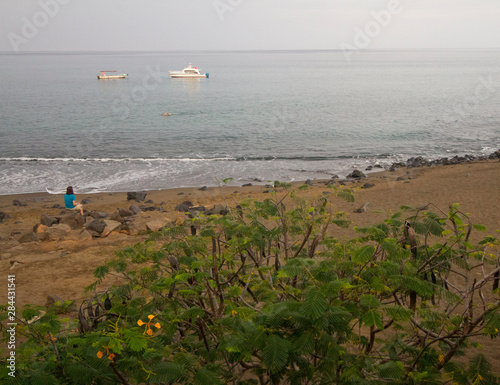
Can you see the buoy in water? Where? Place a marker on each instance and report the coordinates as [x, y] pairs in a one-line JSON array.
[[167, 114]]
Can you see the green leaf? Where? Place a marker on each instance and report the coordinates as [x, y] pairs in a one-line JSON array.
[[314, 304], [372, 318], [363, 254], [275, 353], [135, 340], [369, 301], [206, 376], [479, 227], [391, 370]]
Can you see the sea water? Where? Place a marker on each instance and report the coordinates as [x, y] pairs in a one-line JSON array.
[[259, 117]]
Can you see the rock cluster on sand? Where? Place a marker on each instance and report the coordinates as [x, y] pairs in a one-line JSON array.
[[70, 225], [420, 161]]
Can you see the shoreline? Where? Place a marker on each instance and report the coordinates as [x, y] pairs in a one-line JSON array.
[[65, 267]]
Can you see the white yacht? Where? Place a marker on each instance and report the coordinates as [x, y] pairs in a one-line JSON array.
[[104, 75], [189, 72]]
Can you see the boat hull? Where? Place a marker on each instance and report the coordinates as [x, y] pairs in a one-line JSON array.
[[188, 76], [100, 77]]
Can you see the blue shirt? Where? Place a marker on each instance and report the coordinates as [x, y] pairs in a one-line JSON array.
[[68, 201]]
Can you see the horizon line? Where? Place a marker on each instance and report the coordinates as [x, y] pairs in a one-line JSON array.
[[241, 50]]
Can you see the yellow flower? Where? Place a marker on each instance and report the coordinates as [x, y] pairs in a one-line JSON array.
[[111, 356], [151, 316], [99, 354], [140, 323], [157, 325]]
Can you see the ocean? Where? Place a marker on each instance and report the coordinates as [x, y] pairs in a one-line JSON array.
[[261, 116]]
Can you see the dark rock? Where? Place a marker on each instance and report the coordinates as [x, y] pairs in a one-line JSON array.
[[28, 237], [400, 178], [181, 193], [116, 217], [149, 208], [308, 182], [86, 201], [335, 176], [18, 203], [73, 220], [57, 206], [138, 196], [369, 168], [184, 206], [416, 162], [96, 226], [98, 214], [368, 185], [204, 188], [377, 166], [125, 213], [18, 222], [247, 185], [150, 201], [356, 174], [331, 182], [134, 209]]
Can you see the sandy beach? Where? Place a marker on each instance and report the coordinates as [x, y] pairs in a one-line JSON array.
[[64, 268]]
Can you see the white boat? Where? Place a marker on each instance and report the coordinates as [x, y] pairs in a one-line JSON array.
[[189, 72], [103, 75]]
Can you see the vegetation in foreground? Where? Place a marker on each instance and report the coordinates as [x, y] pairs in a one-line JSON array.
[[268, 295]]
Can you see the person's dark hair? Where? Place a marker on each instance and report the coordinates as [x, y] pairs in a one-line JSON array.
[[69, 190]]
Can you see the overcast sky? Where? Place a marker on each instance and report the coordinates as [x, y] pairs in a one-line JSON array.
[[163, 25]]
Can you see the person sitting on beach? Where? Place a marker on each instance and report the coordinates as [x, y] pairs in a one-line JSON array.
[[70, 201]]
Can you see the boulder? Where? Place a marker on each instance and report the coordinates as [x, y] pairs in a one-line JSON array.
[[55, 233], [150, 208], [308, 182], [28, 237], [79, 235], [134, 209], [116, 217], [97, 226], [99, 214], [368, 185], [247, 185], [356, 174], [110, 226], [18, 203], [137, 196], [47, 221], [73, 220], [124, 212], [218, 209], [184, 206], [3, 216], [39, 228], [204, 188], [57, 206], [150, 201], [155, 225], [134, 228], [86, 201]]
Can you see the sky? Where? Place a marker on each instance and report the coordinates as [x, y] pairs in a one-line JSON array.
[[171, 25]]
